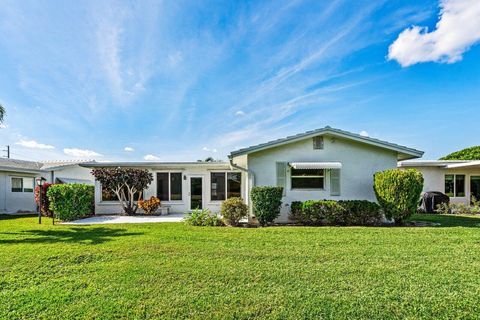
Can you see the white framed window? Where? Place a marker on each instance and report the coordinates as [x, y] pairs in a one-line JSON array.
[[455, 185], [224, 185], [22, 184], [169, 186], [307, 178]]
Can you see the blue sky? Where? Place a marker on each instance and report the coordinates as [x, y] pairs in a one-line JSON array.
[[184, 80]]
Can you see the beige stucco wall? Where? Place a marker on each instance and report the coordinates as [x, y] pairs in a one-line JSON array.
[[359, 162]]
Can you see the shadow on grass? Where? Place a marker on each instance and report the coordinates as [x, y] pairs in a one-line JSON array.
[[72, 235], [449, 220]]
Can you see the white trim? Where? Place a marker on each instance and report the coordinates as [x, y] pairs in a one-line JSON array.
[[315, 165]]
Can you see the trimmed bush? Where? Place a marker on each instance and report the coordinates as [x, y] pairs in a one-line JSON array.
[[320, 212], [398, 192], [361, 212], [296, 211], [266, 203], [71, 201], [203, 218], [233, 210], [329, 212]]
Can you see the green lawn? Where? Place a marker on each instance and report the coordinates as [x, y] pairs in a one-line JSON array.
[[175, 271]]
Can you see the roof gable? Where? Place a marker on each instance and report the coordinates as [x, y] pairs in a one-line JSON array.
[[404, 153]]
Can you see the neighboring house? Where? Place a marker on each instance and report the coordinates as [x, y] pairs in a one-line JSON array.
[[322, 164], [17, 181], [458, 179]]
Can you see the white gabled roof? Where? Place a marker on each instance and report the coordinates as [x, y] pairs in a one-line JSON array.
[[404, 153]]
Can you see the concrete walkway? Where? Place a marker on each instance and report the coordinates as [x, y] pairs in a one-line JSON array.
[[107, 219]]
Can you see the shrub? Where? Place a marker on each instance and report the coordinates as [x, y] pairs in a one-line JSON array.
[[398, 192], [149, 206], [233, 210], [458, 208], [71, 201], [318, 212], [203, 218], [296, 211], [45, 210], [361, 212], [266, 203]]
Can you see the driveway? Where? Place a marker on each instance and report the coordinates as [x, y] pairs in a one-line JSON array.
[[107, 219]]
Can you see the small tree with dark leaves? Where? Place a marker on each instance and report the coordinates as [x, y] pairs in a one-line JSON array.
[[125, 183]]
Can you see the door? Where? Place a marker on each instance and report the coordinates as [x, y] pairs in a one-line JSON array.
[[475, 188], [196, 191]]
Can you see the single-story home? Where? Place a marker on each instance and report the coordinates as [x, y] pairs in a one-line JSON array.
[[18, 178], [460, 180], [326, 163]]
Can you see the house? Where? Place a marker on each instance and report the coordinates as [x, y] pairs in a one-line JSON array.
[[326, 163], [17, 181], [460, 180]]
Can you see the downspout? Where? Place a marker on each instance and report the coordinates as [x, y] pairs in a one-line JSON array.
[[250, 180]]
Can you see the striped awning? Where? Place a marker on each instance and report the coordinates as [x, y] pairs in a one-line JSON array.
[[316, 165]]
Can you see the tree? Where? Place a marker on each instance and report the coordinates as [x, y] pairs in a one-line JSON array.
[[2, 113], [472, 153], [126, 183]]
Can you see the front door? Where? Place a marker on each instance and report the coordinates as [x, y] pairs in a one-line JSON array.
[[196, 192], [475, 187]]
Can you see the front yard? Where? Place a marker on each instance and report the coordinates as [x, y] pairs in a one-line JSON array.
[[170, 270]]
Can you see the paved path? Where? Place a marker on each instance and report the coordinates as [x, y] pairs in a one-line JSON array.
[[107, 219]]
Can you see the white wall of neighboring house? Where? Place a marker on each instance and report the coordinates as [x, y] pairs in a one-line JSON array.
[[359, 162], [179, 206], [72, 172], [13, 202], [434, 180]]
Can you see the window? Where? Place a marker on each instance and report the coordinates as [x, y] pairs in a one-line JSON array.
[[455, 185], [234, 184], [318, 143], [169, 186], [217, 186], [108, 195], [28, 184], [224, 185], [307, 178], [17, 184]]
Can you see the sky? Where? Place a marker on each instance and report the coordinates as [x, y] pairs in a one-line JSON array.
[[186, 80]]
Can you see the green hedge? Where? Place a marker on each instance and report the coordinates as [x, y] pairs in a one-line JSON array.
[[267, 202], [398, 192], [71, 201], [329, 212]]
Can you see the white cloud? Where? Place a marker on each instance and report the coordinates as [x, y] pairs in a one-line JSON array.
[[363, 133], [80, 153], [151, 157], [3, 126], [209, 150], [34, 144], [240, 113], [457, 29], [128, 149]]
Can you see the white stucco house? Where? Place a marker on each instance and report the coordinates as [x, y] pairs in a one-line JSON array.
[[460, 180], [17, 181], [326, 163]]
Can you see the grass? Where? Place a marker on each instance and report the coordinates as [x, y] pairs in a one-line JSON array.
[[170, 270]]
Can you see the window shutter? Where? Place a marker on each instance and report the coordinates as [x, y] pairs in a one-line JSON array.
[[282, 175], [334, 182]]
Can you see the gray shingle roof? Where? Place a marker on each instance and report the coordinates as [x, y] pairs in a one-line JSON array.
[[407, 153], [35, 166]]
